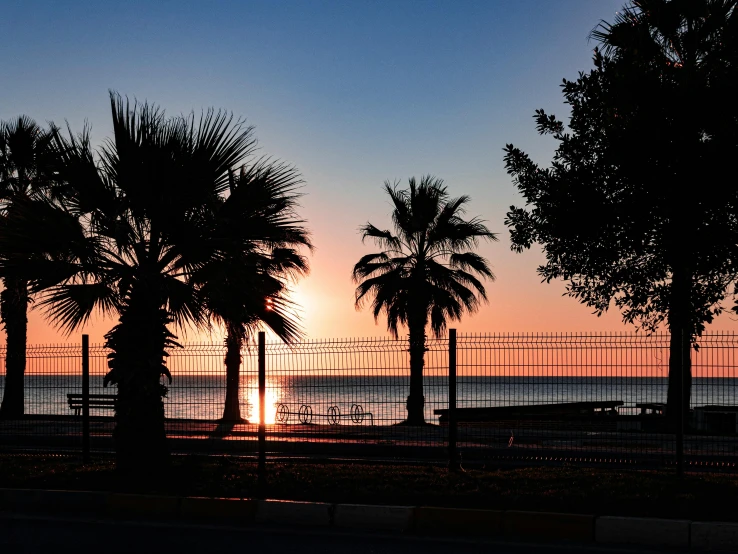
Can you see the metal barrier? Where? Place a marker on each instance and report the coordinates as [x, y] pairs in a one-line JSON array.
[[516, 396]]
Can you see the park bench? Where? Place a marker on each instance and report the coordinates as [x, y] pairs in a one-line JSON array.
[[567, 410], [97, 401], [651, 408], [716, 419], [304, 414]]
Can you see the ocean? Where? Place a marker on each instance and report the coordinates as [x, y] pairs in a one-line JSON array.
[[202, 397]]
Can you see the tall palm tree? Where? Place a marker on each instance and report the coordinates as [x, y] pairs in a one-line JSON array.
[[143, 202], [427, 271], [247, 287], [24, 156]]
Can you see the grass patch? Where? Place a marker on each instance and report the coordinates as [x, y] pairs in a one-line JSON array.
[[568, 489]]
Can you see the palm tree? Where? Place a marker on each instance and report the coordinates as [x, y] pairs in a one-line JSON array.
[[143, 203], [266, 306], [24, 150], [426, 271], [247, 287]]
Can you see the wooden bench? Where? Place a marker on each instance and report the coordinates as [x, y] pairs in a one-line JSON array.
[[651, 408], [561, 411], [97, 401]]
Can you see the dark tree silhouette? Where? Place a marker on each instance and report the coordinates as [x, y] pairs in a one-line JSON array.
[[24, 175], [639, 207], [260, 234], [144, 207], [426, 271]]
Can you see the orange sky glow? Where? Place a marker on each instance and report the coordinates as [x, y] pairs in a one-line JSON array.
[[518, 301]]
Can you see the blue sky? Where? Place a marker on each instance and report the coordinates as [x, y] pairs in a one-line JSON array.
[[351, 92]]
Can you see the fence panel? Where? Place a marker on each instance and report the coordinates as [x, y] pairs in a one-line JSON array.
[[592, 397], [347, 398], [562, 396]]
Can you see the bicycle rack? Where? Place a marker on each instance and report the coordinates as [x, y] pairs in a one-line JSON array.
[[357, 415]]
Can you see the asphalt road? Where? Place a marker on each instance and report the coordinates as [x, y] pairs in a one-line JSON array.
[[30, 534]]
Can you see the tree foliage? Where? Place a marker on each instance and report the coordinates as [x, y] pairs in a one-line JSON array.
[[427, 266], [639, 206], [642, 177], [260, 236]]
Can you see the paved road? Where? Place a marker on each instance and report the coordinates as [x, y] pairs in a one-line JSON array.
[[28, 534]]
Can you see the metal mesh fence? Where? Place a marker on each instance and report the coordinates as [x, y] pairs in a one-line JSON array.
[[520, 397], [347, 398], [593, 397]]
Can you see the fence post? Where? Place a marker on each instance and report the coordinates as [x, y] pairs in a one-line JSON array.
[[681, 410], [453, 462], [85, 398], [262, 409]]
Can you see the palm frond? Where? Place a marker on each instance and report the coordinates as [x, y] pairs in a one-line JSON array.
[[370, 264], [384, 239], [184, 303], [70, 306], [472, 261], [281, 317]]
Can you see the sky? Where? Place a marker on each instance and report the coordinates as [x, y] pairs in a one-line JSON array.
[[353, 93]]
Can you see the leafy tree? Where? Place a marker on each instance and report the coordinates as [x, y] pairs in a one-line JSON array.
[[24, 175], [260, 235], [426, 272], [639, 207]]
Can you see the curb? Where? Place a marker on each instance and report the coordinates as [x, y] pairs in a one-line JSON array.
[[143, 505], [231, 510], [541, 525], [646, 531], [458, 521], [714, 536], [79, 501], [367, 516], [421, 520], [295, 513]]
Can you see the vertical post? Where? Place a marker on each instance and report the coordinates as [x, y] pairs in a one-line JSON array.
[[262, 408], [86, 398], [681, 409], [453, 463]]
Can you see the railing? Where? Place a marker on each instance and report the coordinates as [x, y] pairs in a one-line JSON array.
[[595, 398]]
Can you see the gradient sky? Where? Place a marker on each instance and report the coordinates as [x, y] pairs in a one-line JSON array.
[[353, 93]]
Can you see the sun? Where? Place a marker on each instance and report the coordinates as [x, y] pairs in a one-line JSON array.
[[270, 400], [301, 299]]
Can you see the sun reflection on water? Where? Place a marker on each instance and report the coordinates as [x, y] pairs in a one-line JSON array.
[[271, 399]]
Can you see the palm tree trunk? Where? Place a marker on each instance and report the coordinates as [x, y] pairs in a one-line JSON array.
[[139, 344], [234, 342], [416, 399], [680, 376], [14, 310]]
